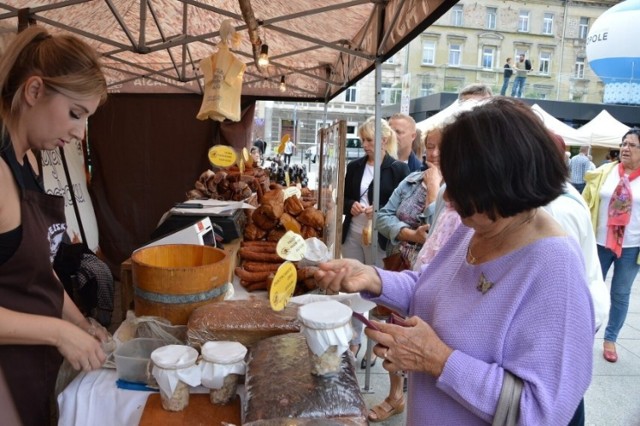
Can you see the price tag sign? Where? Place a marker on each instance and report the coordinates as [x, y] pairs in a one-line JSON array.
[[291, 246], [222, 156], [292, 191], [283, 285]]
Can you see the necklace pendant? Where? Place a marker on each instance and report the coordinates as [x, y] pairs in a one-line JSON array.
[[484, 285]]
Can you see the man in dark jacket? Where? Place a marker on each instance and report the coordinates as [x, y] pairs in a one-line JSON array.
[[508, 72]]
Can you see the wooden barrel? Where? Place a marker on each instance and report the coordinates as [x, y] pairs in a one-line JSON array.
[[172, 280]]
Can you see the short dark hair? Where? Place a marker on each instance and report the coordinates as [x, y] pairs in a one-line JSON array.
[[499, 159], [632, 131]]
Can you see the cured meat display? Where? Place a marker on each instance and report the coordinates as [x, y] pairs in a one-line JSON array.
[[266, 225], [279, 385], [243, 321]]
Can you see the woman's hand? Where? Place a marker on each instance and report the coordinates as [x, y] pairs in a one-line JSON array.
[[357, 208], [432, 178], [369, 212], [415, 347], [418, 235], [77, 346], [347, 275]]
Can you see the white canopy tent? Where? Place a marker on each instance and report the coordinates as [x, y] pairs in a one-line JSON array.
[[604, 131], [570, 135], [446, 114]]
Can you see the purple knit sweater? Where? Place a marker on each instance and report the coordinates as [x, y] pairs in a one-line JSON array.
[[536, 322]]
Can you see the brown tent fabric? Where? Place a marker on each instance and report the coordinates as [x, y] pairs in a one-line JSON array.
[[146, 146], [146, 152], [320, 46]]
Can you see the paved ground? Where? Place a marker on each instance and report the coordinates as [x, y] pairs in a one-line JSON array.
[[613, 399]]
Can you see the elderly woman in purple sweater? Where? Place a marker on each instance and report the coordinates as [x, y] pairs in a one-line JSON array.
[[498, 299]]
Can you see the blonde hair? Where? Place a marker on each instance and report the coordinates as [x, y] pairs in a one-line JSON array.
[[66, 64], [368, 130]]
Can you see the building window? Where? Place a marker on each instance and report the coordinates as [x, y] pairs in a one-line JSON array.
[[390, 95], [547, 23], [456, 15], [427, 88], [492, 18], [488, 55], [545, 63], [392, 60], [455, 52], [428, 52], [351, 94], [579, 70], [523, 22], [583, 28]]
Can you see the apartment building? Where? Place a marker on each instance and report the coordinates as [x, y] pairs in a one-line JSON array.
[[470, 43]]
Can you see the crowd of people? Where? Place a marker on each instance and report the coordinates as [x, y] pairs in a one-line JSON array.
[[473, 253]]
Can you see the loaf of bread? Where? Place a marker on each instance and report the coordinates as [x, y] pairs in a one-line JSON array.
[[279, 385], [244, 321]]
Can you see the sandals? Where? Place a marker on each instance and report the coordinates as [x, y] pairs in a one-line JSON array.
[[363, 363], [386, 409]]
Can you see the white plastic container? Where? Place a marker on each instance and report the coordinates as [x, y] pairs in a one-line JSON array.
[[327, 328], [221, 367], [132, 359], [175, 370]]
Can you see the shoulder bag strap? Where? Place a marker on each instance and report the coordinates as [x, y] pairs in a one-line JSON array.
[[76, 209], [508, 408]]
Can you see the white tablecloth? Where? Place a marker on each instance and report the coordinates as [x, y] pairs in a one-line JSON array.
[[93, 399]]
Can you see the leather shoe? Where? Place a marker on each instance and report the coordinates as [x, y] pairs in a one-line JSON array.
[[610, 356]]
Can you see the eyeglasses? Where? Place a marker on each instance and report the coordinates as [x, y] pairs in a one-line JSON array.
[[630, 145]]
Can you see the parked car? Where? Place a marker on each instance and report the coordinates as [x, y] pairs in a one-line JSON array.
[[354, 149]]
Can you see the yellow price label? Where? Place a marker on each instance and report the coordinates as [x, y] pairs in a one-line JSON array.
[[283, 286], [222, 156]]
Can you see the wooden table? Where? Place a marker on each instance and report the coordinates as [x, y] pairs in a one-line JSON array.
[[126, 276]]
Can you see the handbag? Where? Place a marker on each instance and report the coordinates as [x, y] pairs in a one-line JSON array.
[[508, 408], [396, 262]]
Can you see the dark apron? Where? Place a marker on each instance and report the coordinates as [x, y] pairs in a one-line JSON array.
[[28, 284]]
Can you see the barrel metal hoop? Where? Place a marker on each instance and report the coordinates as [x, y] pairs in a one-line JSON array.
[[181, 298]]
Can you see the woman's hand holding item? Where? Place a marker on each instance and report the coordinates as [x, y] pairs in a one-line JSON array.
[[348, 275], [414, 347], [369, 212], [357, 209], [82, 350]]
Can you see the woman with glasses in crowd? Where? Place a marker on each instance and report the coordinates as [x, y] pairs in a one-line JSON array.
[[613, 194], [358, 201]]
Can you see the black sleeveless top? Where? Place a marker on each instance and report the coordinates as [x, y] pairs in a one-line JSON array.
[[10, 240]]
